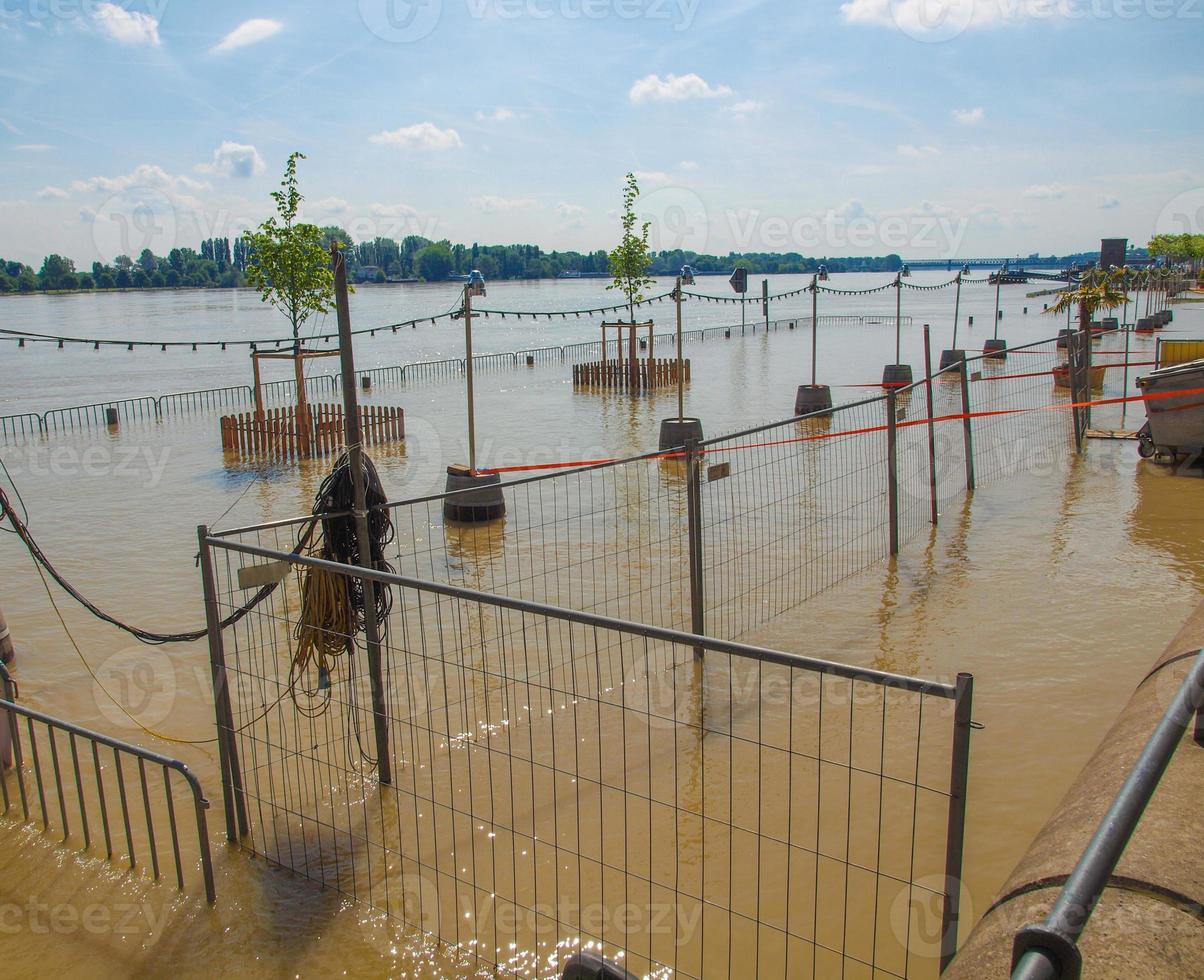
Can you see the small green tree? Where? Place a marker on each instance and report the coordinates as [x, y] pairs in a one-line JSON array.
[[288, 264], [1098, 290], [631, 259]]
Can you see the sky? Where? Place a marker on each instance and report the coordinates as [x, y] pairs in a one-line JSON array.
[[927, 128]]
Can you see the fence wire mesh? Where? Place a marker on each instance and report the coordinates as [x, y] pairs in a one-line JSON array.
[[561, 781]]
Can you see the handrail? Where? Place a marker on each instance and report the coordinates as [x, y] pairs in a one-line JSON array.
[[200, 803], [1049, 951]]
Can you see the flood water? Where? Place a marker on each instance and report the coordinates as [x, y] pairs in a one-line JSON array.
[[1056, 586]]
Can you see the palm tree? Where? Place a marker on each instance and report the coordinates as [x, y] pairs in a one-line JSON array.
[[1097, 290]]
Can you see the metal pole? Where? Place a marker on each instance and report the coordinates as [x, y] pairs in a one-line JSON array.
[[743, 309], [967, 426], [694, 531], [681, 391], [765, 302], [932, 489], [957, 305], [227, 745], [355, 452], [898, 318], [959, 779], [998, 286], [892, 467], [472, 417], [1125, 384], [814, 322]]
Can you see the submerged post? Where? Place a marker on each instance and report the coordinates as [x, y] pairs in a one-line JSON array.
[[227, 746], [932, 488], [959, 780], [892, 467], [355, 454], [967, 429], [694, 541]]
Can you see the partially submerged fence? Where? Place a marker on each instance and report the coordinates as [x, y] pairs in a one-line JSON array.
[[324, 385], [104, 796], [562, 779], [285, 433]]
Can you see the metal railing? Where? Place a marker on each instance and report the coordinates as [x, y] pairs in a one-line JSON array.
[[1049, 951], [96, 789], [560, 778]]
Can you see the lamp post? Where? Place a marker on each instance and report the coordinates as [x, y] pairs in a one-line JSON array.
[[814, 397], [675, 431], [898, 375], [955, 355], [994, 347], [473, 497]]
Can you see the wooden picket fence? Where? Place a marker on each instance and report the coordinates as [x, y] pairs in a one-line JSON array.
[[276, 432], [650, 373]]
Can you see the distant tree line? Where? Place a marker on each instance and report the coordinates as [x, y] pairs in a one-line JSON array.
[[220, 263]]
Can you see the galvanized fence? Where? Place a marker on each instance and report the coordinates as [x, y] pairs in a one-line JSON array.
[[103, 796], [531, 780], [722, 536]]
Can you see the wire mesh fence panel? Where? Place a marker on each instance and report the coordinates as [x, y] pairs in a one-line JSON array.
[[1013, 442], [562, 780], [791, 510], [611, 539]]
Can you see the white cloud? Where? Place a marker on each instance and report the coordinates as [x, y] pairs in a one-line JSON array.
[[868, 169], [87, 215], [331, 205], [420, 136], [10, 127], [126, 26], [52, 193], [744, 108], [500, 114], [916, 152], [653, 177], [145, 175], [941, 18], [33, 147], [491, 205], [569, 212], [970, 117], [1044, 192], [1107, 202], [234, 160], [248, 32], [675, 88], [688, 165]]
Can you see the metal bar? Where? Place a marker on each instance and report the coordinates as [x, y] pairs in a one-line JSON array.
[[37, 771], [79, 790], [694, 542], [100, 792], [150, 822], [744, 650], [967, 425], [892, 468], [955, 841], [227, 745], [171, 822], [1072, 909], [125, 806], [355, 451], [932, 486], [58, 781]]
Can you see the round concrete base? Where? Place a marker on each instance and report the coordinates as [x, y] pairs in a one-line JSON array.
[[896, 375], [483, 500], [812, 398], [996, 349], [1145, 324], [675, 432], [951, 357]]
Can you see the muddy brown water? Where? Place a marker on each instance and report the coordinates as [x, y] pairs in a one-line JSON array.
[[1056, 587]]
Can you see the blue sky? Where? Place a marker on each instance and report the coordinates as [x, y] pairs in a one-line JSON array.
[[924, 127]]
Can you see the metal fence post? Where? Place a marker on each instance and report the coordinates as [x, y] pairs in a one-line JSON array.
[[959, 778], [227, 747], [892, 467], [694, 531], [967, 426], [932, 488]]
